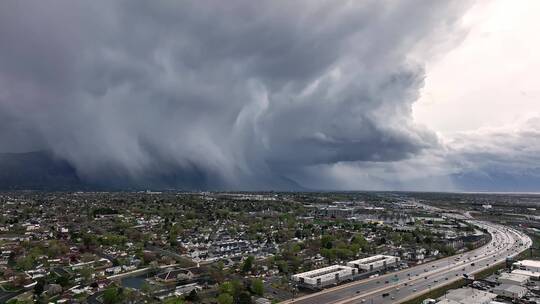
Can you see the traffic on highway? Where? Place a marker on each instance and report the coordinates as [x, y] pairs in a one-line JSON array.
[[412, 282]]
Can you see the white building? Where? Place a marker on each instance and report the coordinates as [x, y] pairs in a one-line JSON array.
[[513, 279], [529, 265], [467, 296], [532, 275], [325, 276], [510, 291], [375, 263], [448, 301]]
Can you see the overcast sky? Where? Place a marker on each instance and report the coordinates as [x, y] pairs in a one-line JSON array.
[[334, 95]]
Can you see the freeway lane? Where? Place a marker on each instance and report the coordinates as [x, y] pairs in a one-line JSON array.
[[411, 282]]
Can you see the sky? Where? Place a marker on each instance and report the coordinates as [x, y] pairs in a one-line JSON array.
[[277, 95]]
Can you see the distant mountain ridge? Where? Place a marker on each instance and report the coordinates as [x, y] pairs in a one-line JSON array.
[[42, 170]]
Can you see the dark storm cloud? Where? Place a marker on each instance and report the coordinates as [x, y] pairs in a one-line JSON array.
[[497, 159], [241, 94], [502, 159]]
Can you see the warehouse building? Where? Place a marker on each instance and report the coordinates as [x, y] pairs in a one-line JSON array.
[[323, 277], [528, 265], [513, 279], [375, 263], [510, 291], [530, 274], [467, 296]]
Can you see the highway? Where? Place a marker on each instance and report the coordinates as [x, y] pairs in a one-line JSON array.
[[409, 283]]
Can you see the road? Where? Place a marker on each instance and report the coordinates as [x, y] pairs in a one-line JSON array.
[[409, 283]]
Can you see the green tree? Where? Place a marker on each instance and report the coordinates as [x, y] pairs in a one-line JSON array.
[[326, 241], [217, 272], [248, 264], [226, 287], [87, 272], [238, 288], [111, 296], [257, 287], [25, 262], [63, 281], [225, 298], [283, 266], [148, 289], [244, 298]]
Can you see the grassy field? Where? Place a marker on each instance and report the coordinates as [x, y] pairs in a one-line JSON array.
[[435, 293], [487, 272], [535, 252]]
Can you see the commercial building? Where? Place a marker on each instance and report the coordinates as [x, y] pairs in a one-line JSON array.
[[532, 275], [325, 276], [513, 279], [510, 291], [448, 301], [337, 211], [467, 296], [529, 265], [375, 263]]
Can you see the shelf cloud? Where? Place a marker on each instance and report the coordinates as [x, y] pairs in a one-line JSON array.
[[212, 94]]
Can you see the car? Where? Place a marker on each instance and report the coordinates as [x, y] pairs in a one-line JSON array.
[[386, 294]]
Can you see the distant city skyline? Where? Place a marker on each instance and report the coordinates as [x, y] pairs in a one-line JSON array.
[[313, 95]]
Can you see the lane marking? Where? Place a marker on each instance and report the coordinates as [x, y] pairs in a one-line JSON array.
[[509, 236]]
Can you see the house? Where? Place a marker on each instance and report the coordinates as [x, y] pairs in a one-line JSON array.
[[174, 276]]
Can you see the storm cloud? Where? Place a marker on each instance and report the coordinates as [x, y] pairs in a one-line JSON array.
[[502, 159], [232, 94]]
